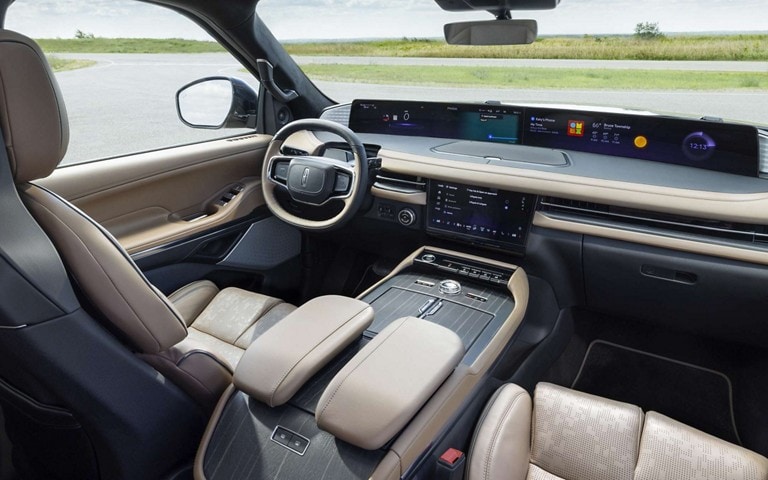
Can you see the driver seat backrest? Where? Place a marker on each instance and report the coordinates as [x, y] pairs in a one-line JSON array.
[[197, 353]]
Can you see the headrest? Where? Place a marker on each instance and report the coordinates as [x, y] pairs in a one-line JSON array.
[[32, 113]]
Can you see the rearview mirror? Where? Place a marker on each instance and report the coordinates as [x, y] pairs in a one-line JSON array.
[[491, 32], [217, 102]]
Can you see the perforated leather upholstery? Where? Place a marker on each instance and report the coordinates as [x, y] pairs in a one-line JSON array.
[[582, 437], [220, 325], [574, 435], [670, 449]]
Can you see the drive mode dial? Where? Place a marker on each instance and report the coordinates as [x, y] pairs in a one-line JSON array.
[[450, 287]]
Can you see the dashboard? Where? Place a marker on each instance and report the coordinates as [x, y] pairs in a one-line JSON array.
[[717, 146], [483, 174]]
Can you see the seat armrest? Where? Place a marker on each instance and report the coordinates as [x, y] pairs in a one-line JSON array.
[[378, 392], [278, 363]]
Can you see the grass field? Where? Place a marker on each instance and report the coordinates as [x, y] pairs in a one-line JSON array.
[[126, 45], [734, 47], [538, 77], [61, 64], [725, 47]]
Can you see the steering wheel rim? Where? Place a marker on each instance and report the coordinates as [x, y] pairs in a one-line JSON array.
[[314, 180]]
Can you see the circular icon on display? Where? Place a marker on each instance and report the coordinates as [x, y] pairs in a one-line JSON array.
[[699, 146]]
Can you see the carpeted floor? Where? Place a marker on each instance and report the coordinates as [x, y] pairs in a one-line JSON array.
[[694, 395], [672, 384]]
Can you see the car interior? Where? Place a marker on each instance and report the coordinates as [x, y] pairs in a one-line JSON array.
[[385, 289]]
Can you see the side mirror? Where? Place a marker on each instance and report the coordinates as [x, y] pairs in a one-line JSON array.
[[217, 102]]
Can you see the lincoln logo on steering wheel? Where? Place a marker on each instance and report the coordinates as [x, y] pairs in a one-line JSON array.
[[305, 177]]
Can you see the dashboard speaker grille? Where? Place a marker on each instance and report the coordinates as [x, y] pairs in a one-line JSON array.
[[338, 113]]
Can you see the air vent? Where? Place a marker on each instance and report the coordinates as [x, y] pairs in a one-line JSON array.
[[338, 113], [396, 182], [653, 222], [763, 139]]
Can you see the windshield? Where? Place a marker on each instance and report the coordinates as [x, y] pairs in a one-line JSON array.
[[702, 58]]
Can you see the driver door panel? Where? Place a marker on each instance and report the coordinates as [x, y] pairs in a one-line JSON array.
[[153, 199]]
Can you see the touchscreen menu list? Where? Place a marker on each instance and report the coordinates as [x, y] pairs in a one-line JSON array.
[[486, 214]]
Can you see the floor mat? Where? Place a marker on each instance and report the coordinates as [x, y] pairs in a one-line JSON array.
[[696, 396]]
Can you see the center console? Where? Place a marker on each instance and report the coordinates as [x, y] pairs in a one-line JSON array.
[[466, 296], [334, 393]]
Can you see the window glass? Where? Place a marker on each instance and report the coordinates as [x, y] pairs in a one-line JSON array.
[[691, 58], [119, 78]]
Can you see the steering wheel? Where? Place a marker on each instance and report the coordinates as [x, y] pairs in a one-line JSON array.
[[313, 180]]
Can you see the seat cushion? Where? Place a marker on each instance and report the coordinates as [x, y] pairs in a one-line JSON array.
[[226, 322], [190, 300], [670, 450]]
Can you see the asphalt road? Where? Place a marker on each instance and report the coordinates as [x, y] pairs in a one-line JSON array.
[[715, 66], [126, 103]]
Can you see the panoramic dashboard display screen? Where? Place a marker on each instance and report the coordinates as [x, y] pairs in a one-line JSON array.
[[486, 123], [710, 145], [717, 146], [479, 214]]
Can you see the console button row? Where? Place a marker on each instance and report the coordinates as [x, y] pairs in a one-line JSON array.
[[449, 264]]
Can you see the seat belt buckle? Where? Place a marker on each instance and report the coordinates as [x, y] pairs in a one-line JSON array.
[[450, 465]]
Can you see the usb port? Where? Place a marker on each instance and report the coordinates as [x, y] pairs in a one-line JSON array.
[[424, 283]]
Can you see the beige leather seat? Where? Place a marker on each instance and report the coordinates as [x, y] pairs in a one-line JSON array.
[[571, 435], [197, 338]]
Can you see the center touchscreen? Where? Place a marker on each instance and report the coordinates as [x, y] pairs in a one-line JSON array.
[[479, 214]]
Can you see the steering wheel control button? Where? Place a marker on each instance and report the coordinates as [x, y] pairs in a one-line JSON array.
[[406, 217], [428, 257], [342, 183], [281, 171], [450, 287]]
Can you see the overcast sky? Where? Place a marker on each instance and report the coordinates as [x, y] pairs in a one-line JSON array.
[[298, 19]]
